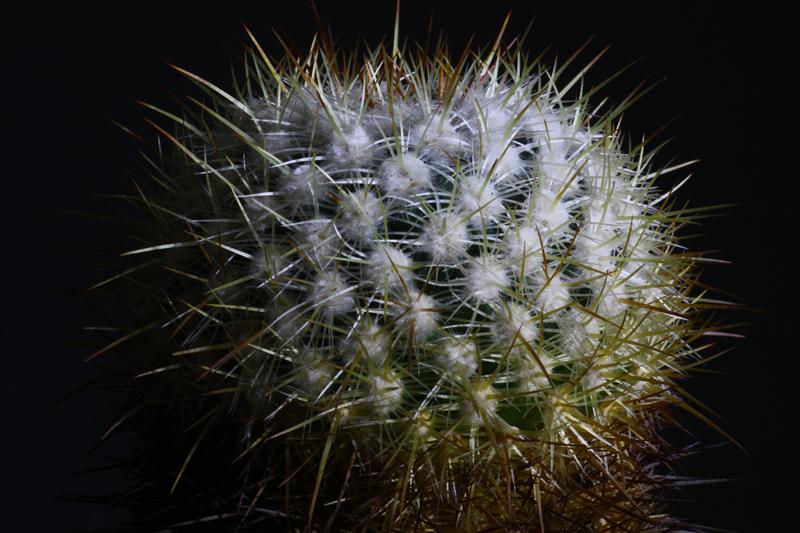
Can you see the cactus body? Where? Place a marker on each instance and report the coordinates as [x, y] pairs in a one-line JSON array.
[[418, 293]]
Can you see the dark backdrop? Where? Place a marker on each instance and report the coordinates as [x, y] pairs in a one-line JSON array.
[[68, 72]]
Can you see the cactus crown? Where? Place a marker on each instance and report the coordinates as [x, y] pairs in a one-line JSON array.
[[433, 292]]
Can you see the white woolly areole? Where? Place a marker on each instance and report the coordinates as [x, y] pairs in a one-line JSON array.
[[579, 333], [480, 405], [404, 176], [417, 311], [423, 426], [541, 120], [260, 208], [286, 317], [596, 376], [314, 375], [548, 212], [319, 240], [523, 247], [625, 208], [596, 165], [352, 148], [550, 291], [268, 263], [302, 186], [436, 136], [361, 211], [478, 199], [558, 173], [388, 267], [444, 237], [385, 392], [513, 321], [485, 279], [608, 295], [493, 115], [459, 357], [371, 342], [600, 217], [503, 159], [533, 374], [331, 293], [595, 249]]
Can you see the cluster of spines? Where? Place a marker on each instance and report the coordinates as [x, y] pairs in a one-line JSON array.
[[414, 255]]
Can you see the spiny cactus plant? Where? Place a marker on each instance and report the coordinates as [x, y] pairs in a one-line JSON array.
[[409, 291]]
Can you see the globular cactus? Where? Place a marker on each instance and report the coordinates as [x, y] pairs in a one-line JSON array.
[[412, 292]]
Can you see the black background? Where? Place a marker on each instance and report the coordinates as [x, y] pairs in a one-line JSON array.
[[68, 72]]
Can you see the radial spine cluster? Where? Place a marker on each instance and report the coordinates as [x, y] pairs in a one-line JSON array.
[[437, 292]]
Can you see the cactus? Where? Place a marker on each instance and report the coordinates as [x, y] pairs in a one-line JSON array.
[[410, 291]]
